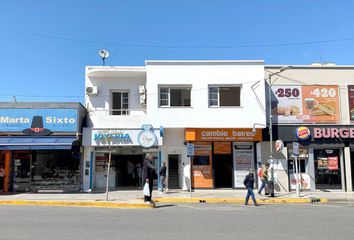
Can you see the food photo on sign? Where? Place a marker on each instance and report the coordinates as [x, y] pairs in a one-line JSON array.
[[305, 104]]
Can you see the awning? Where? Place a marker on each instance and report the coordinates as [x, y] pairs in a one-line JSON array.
[[35, 143]]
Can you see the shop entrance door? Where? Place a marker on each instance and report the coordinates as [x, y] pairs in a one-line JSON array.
[[173, 175], [327, 169], [223, 170], [128, 169], [22, 166]]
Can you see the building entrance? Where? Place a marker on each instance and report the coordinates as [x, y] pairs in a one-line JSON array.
[[128, 170], [223, 170]]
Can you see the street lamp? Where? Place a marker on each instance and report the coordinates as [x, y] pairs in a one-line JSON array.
[[270, 125]]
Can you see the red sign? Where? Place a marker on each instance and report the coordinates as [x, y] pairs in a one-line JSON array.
[[333, 163]]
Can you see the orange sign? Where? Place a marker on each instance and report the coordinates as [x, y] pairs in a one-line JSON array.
[[320, 103], [202, 165], [223, 134]]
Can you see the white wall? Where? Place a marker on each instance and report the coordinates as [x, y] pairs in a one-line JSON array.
[[99, 105], [200, 76], [174, 144]]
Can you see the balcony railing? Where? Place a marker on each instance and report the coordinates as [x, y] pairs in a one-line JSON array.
[[117, 112]]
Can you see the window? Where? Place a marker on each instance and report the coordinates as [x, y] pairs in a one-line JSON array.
[[175, 96], [224, 96], [120, 103]]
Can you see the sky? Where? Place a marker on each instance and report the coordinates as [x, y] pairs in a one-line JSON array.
[[45, 45]]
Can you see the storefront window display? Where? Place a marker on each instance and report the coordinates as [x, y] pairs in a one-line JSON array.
[[327, 168], [46, 170]]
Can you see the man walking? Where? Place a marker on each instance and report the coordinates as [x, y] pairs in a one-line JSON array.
[[149, 173], [163, 178], [249, 184], [264, 177]]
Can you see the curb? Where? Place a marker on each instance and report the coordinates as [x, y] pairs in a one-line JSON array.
[[102, 204], [241, 200]]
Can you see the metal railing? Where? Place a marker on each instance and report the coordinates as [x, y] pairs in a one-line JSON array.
[[118, 112]]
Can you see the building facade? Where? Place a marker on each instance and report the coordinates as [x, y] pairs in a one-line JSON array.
[[40, 146], [197, 116], [312, 105]]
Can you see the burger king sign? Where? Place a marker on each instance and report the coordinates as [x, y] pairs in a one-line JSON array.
[[303, 133]]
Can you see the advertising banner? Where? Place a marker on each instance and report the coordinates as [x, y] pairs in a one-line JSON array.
[[304, 180], [305, 104], [351, 102], [36, 120]]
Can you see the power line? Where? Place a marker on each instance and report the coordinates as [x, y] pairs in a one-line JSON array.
[[181, 46]]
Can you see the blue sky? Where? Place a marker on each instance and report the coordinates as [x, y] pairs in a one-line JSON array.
[[45, 45]]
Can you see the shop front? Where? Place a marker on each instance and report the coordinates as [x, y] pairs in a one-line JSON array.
[[128, 148], [40, 146], [324, 156], [221, 158]]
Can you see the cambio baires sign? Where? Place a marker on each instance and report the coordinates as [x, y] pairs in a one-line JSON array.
[[223, 134]]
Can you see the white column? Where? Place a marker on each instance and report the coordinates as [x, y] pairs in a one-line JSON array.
[[348, 169], [311, 169]]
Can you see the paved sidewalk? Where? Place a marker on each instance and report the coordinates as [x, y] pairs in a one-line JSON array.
[[134, 198]]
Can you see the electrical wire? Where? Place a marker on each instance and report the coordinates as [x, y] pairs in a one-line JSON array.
[[48, 36]]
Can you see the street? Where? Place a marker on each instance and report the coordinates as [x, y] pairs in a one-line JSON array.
[[185, 221]]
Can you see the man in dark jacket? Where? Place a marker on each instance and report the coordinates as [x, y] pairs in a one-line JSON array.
[[163, 177], [249, 184], [149, 173]]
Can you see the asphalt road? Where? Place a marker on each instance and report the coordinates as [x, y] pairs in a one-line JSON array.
[[187, 221]]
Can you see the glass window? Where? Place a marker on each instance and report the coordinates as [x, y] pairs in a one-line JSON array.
[[225, 96], [120, 103], [302, 159], [327, 169], [201, 160], [175, 97]]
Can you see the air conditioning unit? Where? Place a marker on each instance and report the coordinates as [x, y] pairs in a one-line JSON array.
[[91, 90]]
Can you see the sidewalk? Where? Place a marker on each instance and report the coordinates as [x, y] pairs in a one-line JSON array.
[[134, 198]]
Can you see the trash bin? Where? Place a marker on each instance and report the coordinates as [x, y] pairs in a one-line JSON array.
[[269, 188]]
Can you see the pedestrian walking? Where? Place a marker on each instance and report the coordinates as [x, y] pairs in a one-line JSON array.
[[249, 184], [149, 174], [263, 174], [163, 178]]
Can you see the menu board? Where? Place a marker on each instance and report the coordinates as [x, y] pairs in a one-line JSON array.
[[243, 162], [351, 102], [305, 104], [330, 163]]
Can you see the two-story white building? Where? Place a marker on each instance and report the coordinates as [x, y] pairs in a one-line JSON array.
[[197, 116]]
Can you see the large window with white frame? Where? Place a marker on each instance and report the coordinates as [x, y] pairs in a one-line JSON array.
[[175, 96], [120, 103], [224, 96]]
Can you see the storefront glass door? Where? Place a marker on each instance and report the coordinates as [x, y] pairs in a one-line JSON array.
[[22, 167], [327, 169]]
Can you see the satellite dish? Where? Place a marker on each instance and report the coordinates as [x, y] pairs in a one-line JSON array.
[[103, 54]]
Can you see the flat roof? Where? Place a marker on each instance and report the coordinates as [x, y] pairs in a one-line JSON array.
[[41, 105], [204, 62]]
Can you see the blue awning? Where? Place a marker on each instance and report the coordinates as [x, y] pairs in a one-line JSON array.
[[35, 143]]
